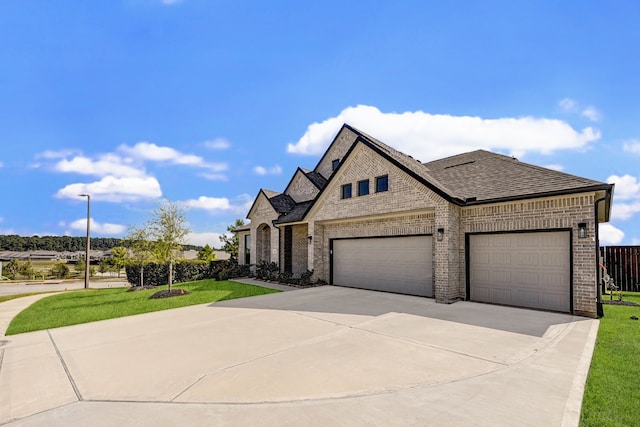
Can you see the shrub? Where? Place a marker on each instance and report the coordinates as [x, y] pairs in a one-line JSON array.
[[60, 270], [267, 270]]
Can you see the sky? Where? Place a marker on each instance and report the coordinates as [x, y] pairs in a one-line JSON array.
[[204, 102]]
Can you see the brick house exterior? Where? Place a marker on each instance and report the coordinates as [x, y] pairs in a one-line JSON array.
[[485, 226]]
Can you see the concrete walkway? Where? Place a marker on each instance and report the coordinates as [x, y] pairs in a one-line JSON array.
[[320, 356]]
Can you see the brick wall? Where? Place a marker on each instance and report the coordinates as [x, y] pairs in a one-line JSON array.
[[336, 151], [264, 244], [301, 188], [544, 214]]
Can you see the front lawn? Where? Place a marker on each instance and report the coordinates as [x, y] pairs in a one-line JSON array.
[[612, 391], [72, 308]]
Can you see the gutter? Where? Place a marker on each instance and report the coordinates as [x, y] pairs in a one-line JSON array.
[[599, 308]]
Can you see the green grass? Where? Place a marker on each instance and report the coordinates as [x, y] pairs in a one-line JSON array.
[[76, 307], [612, 392]]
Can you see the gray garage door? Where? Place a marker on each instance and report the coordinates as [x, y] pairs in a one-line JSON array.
[[521, 269], [395, 264]]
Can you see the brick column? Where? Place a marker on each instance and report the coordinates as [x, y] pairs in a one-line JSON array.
[[447, 254]]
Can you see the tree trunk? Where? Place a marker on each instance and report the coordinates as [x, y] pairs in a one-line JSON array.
[[170, 273]]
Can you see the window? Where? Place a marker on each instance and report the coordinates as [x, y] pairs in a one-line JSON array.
[[346, 191], [363, 188], [335, 164], [247, 249], [382, 183]]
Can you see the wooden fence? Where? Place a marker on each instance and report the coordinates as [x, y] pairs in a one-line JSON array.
[[623, 265]]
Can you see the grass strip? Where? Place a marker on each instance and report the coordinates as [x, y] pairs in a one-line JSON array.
[[612, 391], [90, 305]]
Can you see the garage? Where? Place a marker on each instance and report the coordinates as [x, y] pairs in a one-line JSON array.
[[521, 269], [392, 264]]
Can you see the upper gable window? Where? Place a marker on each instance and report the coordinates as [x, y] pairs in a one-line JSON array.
[[346, 191], [334, 164], [363, 188], [382, 183]]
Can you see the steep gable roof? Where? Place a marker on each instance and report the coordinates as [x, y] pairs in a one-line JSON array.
[[481, 176]]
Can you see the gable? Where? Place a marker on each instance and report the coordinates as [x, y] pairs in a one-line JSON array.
[[404, 193], [261, 208], [301, 188], [336, 151]]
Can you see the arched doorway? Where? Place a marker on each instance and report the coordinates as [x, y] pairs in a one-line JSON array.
[[263, 243]]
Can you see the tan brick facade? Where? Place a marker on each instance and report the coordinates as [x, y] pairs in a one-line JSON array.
[[410, 207]]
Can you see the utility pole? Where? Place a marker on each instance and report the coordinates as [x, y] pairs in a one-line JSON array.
[[86, 257]]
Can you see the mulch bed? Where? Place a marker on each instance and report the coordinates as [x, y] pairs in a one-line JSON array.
[[168, 294]]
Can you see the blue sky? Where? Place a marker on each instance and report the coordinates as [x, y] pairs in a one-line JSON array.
[[205, 102]]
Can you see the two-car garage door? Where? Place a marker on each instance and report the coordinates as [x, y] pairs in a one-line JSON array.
[[521, 269], [392, 264]]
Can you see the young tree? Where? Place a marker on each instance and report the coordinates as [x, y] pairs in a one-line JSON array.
[[141, 247], [60, 270], [231, 243], [11, 269], [168, 228], [206, 254], [119, 257]]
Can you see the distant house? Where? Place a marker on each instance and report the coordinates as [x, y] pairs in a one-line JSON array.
[[478, 226]]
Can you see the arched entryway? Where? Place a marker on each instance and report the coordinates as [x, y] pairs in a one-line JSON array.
[[263, 243]]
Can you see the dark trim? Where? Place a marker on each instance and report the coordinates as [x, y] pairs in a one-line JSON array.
[[467, 251], [596, 225], [473, 202]]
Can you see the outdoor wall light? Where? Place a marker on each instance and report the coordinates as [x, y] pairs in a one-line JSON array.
[[582, 230], [310, 238], [440, 234]]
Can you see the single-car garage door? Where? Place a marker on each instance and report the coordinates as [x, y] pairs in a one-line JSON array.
[[521, 269], [393, 264]]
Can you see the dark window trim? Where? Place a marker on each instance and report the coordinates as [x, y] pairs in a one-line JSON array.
[[377, 179], [361, 182], [343, 187]]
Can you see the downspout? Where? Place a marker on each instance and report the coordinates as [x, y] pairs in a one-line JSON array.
[[599, 309]]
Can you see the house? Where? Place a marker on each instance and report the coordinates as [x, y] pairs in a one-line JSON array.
[[477, 226]]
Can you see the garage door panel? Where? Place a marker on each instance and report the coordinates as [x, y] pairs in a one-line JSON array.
[[397, 264], [521, 269]]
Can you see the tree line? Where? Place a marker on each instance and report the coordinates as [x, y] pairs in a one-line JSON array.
[[65, 243]]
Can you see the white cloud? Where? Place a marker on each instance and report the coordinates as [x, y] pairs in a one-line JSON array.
[[214, 176], [632, 146], [108, 164], [624, 211], [568, 105], [217, 144], [610, 235], [97, 227], [635, 241], [214, 205], [261, 170], [112, 189], [60, 154], [627, 187], [202, 239], [1, 165], [170, 2], [591, 113], [427, 136], [152, 152]]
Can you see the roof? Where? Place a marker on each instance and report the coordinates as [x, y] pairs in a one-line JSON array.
[[466, 179], [317, 179], [296, 214], [482, 176]]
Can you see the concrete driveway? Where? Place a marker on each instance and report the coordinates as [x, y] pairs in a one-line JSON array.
[[318, 357]]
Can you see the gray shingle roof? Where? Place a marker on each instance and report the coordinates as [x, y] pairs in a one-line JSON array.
[[484, 175], [282, 203], [317, 179], [296, 214]]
